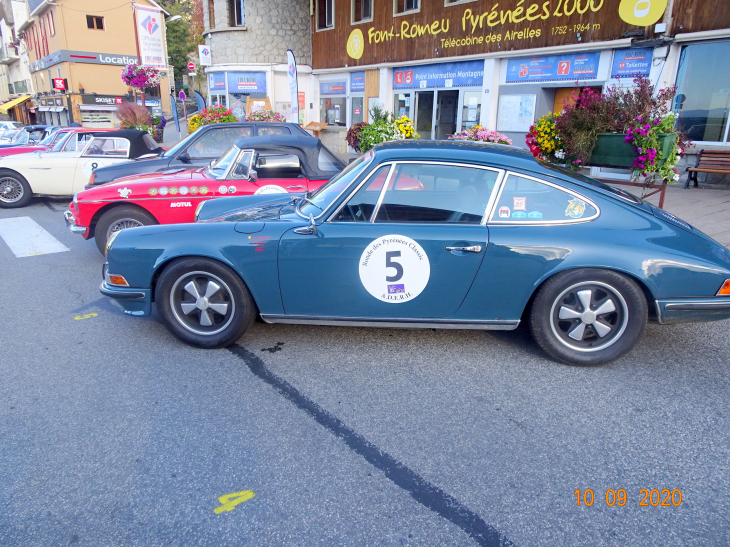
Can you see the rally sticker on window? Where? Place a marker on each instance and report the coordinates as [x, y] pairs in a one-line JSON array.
[[394, 269], [504, 212], [520, 204], [576, 208], [270, 189]]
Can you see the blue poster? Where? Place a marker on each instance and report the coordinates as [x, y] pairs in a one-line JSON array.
[[582, 66], [462, 74], [246, 82], [333, 88], [628, 63], [357, 81], [217, 81]]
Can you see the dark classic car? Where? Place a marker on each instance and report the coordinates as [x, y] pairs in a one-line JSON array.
[[273, 164], [489, 238], [198, 149], [30, 134]]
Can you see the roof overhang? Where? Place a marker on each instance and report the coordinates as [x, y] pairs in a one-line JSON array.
[[15, 102]]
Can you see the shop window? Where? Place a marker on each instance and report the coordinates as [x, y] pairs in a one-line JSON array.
[[236, 16], [703, 92], [471, 111], [325, 14], [362, 11], [402, 104], [402, 7], [431, 192], [211, 14], [332, 110], [94, 23]]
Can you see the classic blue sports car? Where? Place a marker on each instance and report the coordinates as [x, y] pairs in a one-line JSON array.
[[420, 234]]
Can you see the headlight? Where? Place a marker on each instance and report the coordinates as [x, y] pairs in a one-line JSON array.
[[197, 210], [110, 241]]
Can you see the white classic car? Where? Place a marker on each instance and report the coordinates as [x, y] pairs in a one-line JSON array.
[[65, 173]]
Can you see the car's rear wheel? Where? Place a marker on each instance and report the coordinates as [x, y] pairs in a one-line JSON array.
[[14, 189], [204, 303], [120, 218], [588, 317]]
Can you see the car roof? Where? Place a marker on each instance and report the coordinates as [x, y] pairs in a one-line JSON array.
[[306, 147], [138, 147]]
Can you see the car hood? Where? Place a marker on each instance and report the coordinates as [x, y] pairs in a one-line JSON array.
[[244, 208], [20, 150], [186, 183]]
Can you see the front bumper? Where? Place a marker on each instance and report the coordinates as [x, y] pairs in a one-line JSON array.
[[690, 310], [68, 216], [136, 302]]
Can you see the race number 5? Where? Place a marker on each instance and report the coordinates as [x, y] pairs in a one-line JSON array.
[[390, 263]]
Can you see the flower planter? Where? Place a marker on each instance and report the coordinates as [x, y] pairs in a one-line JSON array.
[[612, 150]]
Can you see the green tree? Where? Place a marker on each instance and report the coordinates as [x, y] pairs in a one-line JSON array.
[[179, 44]]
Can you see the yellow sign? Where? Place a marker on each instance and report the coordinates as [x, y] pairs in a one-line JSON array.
[[355, 44], [642, 13]]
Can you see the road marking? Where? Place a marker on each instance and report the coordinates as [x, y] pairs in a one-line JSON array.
[[78, 317], [26, 237], [229, 501]]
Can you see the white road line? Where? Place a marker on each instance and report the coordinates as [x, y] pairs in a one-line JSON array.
[[26, 237]]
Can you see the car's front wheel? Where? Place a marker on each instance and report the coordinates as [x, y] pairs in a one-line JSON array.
[[204, 303], [120, 218], [588, 317], [14, 189]]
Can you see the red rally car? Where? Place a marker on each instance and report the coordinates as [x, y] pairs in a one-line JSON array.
[[255, 165]]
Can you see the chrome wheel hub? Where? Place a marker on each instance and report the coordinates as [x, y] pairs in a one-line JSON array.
[[122, 224], [589, 316], [10, 190], [202, 303]]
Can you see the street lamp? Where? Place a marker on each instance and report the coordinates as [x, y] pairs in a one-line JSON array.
[[174, 18]]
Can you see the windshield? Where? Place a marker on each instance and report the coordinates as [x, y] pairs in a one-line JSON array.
[[593, 182], [218, 167], [64, 138], [325, 195], [179, 146], [52, 138], [21, 137], [10, 134]]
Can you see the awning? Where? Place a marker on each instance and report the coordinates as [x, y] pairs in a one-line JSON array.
[[107, 108], [57, 108], [15, 102], [43, 109]]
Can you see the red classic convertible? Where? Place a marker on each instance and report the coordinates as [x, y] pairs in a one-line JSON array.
[[270, 164]]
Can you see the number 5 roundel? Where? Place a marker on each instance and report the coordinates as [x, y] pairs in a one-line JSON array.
[[394, 269]]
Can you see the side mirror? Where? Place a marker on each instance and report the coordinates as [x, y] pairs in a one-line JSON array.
[[260, 162], [184, 157], [253, 175]]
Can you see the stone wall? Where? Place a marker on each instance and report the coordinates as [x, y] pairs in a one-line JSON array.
[[335, 140], [271, 27]]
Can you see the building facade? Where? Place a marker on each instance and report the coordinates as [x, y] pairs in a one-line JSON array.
[[248, 40], [77, 50], [450, 64], [15, 80]]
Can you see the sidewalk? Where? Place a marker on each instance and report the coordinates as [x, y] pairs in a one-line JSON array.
[[707, 209]]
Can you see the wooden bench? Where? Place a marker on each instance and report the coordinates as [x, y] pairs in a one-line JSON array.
[[709, 161]]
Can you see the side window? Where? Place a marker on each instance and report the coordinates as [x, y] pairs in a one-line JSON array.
[[241, 168], [528, 200], [108, 147], [213, 143], [360, 207], [325, 161], [270, 165], [431, 192], [272, 131]]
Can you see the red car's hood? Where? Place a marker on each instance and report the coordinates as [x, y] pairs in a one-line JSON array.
[[20, 150], [188, 181]]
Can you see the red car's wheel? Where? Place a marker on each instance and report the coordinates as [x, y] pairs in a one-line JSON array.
[[120, 218]]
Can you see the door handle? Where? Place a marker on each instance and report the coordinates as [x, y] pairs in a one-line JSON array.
[[295, 186], [472, 249]]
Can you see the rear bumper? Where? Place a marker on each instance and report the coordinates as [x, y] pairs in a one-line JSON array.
[[68, 216], [684, 310]]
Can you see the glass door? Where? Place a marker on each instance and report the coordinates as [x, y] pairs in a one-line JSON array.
[[424, 114], [446, 113]]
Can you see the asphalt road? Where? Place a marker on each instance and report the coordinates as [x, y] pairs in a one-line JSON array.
[[113, 433]]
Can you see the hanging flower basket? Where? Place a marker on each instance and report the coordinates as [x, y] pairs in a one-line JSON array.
[[140, 77], [612, 150]]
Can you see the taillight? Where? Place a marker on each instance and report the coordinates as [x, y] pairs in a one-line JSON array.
[[92, 178]]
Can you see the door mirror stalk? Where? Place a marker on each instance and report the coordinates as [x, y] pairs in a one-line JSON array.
[[308, 230]]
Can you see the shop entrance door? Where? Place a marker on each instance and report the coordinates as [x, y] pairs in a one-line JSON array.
[[424, 114], [446, 112]]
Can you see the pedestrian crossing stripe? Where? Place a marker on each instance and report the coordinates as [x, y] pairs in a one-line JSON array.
[[25, 237]]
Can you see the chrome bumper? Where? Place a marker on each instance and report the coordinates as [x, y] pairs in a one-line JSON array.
[[71, 223], [683, 310]]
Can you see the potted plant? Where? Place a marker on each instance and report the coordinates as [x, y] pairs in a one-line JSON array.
[[480, 134], [385, 127]]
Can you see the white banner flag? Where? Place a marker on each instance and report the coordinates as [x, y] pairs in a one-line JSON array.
[[149, 32], [293, 88], [204, 55]]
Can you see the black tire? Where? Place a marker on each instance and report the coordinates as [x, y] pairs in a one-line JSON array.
[[119, 218], [186, 311], [14, 190], [574, 335]]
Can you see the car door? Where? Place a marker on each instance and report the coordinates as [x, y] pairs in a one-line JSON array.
[[209, 146], [99, 152], [407, 244], [52, 174]]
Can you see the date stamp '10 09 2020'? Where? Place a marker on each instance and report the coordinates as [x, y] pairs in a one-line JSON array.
[[648, 498]]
